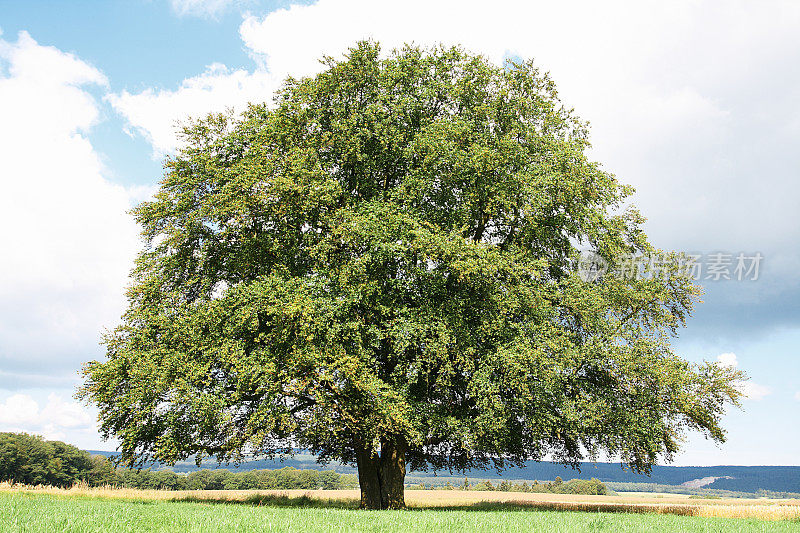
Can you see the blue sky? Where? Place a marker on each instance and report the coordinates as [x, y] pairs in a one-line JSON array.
[[691, 103]]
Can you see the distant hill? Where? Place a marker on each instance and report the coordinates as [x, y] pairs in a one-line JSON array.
[[735, 478]]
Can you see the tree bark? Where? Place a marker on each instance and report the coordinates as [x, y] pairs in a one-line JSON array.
[[382, 477], [369, 477], [393, 475]]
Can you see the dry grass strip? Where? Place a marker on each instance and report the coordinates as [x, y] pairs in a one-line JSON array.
[[454, 499]]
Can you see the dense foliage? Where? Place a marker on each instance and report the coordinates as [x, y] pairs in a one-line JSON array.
[[31, 460], [381, 268]]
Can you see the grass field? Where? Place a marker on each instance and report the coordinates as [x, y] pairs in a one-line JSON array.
[[84, 510]]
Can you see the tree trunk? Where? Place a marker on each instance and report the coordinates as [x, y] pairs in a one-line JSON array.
[[382, 477], [369, 478], [393, 474]]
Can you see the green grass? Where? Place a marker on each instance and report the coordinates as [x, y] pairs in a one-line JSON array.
[[42, 512]]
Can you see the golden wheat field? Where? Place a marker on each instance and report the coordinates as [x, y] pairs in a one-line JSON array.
[[676, 504]]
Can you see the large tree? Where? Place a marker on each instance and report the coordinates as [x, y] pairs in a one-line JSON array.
[[381, 267]]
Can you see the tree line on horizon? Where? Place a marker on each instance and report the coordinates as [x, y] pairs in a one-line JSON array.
[[591, 486], [31, 460]]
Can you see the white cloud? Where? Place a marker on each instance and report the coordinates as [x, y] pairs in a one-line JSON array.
[[749, 390], [18, 409], [67, 242], [156, 113], [727, 359], [21, 412], [200, 8], [598, 77], [753, 391], [797, 396]]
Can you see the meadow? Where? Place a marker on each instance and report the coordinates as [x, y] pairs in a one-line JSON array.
[[89, 509]]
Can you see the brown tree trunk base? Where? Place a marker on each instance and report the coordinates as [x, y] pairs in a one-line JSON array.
[[382, 477]]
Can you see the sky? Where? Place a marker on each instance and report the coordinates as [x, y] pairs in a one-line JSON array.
[[694, 103]]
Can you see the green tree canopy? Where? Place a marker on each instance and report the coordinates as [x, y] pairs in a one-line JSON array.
[[31, 460], [381, 267]]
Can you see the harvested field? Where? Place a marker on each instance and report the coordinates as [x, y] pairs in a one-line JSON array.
[[672, 504]]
